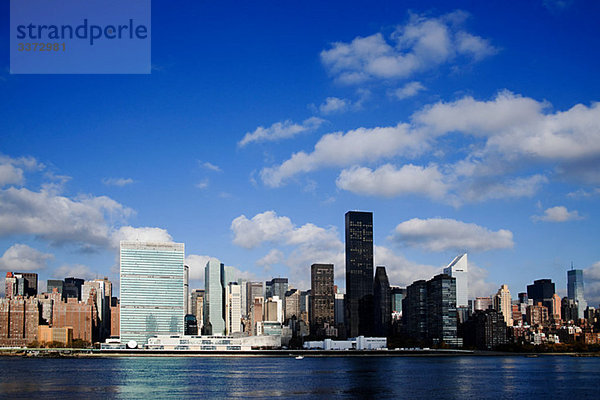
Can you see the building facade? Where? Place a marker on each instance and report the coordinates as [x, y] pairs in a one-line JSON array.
[[322, 299], [152, 290], [459, 269], [359, 273], [382, 303], [575, 290]]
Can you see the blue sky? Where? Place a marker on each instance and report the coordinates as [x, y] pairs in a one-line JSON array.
[[469, 126]]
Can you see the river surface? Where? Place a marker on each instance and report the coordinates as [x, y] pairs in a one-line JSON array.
[[514, 377]]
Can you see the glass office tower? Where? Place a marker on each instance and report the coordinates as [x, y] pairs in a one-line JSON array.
[[152, 290], [575, 290]]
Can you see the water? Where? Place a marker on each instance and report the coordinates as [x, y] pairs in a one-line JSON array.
[[516, 377]]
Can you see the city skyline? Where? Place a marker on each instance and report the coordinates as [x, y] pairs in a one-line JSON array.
[[458, 134]]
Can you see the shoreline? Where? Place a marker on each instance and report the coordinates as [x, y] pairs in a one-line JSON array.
[[95, 353]]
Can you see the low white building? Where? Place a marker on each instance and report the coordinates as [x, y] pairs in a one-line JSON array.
[[357, 343], [212, 343]]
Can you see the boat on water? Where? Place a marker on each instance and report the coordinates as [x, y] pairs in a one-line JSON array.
[[299, 357]]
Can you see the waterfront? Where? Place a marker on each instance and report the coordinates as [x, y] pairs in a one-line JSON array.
[[341, 377]]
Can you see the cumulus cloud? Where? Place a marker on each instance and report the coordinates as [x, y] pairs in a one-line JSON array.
[[400, 271], [280, 130], [117, 181], [203, 184], [387, 181], [21, 258], [409, 90], [558, 214], [438, 234], [421, 44], [346, 149], [12, 169], [197, 264], [58, 219], [142, 234], [299, 246]]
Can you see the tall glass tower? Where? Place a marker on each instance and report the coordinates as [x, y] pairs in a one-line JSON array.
[[459, 269], [575, 290], [359, 273], [152, 290]]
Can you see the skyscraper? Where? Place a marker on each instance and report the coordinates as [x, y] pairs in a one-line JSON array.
[[213, 297], [542, 291], [322, 299], [382, 301], [359, 273], [233, 308], [575, 290], [253, 290], [503, 304], [459, 269], [277, 287], [152, 300], [441, 310]]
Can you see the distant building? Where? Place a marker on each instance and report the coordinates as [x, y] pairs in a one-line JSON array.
[[115, 318], [52, 284], [80, 316], [398, 295], [483, 303], [20, 284], [339, 309], [253, 290], [537, 314], [190, 325], [569, 309], [575, 290], [322, 300], [382, 303], [542, 291], [152, 290], [503, 304], [48, 335], [273, 310], [72, 288], [485, 330], [233, 308], [414, 308], [359, 273], [197, 306], [292, 304], [441, 310], [459, 269], [256, 316], [555, 311], [277, 287], [215, 274]]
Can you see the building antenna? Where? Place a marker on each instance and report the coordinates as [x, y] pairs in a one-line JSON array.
[[571, 265]]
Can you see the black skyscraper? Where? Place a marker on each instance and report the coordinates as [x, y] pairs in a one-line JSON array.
[[382, 299], [359, 273]]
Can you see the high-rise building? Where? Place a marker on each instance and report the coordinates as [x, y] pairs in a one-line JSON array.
[[233, 308], [213, 297], [485, 329], [277, 287], [152, 290], [322, 300], [72, 288], [359, 273], [382, 303], [503, 304], [186, 288], [243, 288], [441, 310], [96, 291], [542, 291], [414, 309], [197, 306], [292, 304], [20, 284], [483, 303], [256, 315], [459, 269], [253, 290], [339, 309], [569, 310], [575, 290], [398, 295], [273, 309]]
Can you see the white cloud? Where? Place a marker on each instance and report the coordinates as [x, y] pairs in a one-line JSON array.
[[421, 44], [21, 258], [493, 189], [438, 234], [58, 219], [12, 169], [117, 181], [582, 193], [355, 146], [299, 247], [478, 286], [142, 234], [400, 271], [280, 130], [387, 181], [409, 90], [558, 214], [212, 167], [197, 264], [75, 271], [333, 105]]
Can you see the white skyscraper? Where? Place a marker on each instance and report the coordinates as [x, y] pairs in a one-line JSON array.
[[233, 308], [503, 303], [459, 269]]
